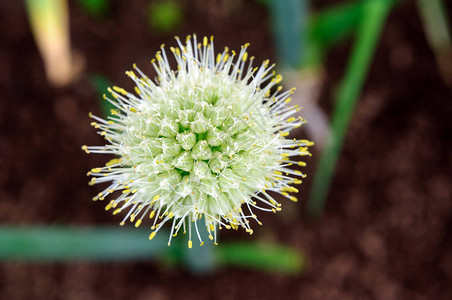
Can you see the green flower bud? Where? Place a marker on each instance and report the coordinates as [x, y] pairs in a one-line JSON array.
[[186, 139], [215, 137], [183, 161], [200, 125], [170, 147], [201, 151]]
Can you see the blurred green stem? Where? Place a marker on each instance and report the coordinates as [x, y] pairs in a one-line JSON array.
[[328, 27], [49, 21], [265, 257], [436, 27], [288, 22], [375, 12], [435, 22], [64, 244]]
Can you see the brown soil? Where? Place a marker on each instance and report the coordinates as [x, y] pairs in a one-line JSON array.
[[386, 232]]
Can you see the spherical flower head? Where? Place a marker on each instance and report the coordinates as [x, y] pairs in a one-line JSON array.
[[205, 140]]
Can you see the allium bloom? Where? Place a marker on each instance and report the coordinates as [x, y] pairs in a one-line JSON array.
[[208, 140]]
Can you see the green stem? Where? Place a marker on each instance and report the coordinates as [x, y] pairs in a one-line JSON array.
[[435, 22], [375, 13], [288, 22], [64, 244], [261, 256]]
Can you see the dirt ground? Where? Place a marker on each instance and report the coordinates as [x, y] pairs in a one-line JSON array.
[[386, 232]]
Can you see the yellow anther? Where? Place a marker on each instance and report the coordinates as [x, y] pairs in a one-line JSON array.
[[109, 205], [152, 235], [152, 214], [117, 211], [156, 197], [126, 191], [291, 119], [138, 223], [134, 191], [288, 100], [277, 172], [205, 41], [284, 194], [96, 170], [122, 223], [171, 214], [210, 237], [294, 199], [298, 172], [119, 90], [112, 162], [245, 56], [284, 133], [190, 244], [85, 148], [132, 217], [201, 244]]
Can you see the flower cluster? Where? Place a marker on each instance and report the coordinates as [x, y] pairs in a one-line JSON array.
[[205, 140]]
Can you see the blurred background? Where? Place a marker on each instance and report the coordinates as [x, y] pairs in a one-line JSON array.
[[374, 217]]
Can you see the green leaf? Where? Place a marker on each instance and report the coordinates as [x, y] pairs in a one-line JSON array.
[[375, 12], [112, 243], [101, 84], [289, 19], [95, 8], [62, 243], [261, 256], [165, 16]]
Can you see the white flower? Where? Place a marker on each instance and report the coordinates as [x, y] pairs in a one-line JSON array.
[[208, 140]]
